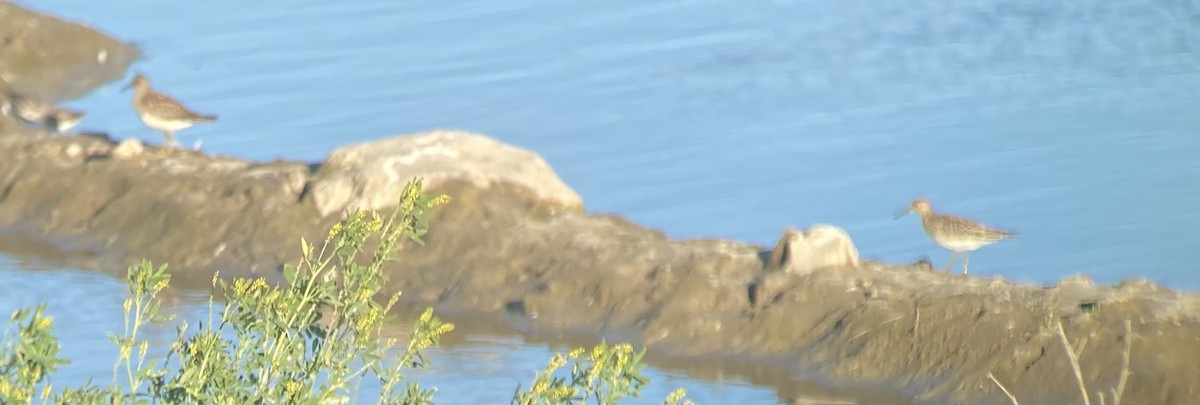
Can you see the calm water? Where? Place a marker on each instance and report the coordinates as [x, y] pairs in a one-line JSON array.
[[1074, 123]]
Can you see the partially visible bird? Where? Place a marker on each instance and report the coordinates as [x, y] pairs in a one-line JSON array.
[[38, 112], [956, 234], [62, 120], [27, 108], [161, 112]]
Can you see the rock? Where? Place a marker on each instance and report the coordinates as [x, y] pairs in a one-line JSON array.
[[128, 149], [372, 175], [290, 178], [820, 247], [98, 149], [74, 151], [1077, 279]]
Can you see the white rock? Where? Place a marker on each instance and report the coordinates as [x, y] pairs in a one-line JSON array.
[[819, 247], [128, 148], [74, 151], [372, 175]]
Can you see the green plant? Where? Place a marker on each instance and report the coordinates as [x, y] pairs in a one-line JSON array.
[[311, 340], [606, 375], [314, 339], [30, 357]]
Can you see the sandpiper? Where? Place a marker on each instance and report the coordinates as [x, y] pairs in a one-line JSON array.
[[161, 112], [958, 235], [62, 120], [38, 112]]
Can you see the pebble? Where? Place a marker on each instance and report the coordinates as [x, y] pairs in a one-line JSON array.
[[74, 150]]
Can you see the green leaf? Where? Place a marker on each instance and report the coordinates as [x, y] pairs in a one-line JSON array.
[[289, 273]]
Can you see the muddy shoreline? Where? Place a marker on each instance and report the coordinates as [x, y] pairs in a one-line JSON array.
[[516, 244], [776, 375]]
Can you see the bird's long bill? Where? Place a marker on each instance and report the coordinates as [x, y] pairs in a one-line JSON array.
[[902, 213], [127, 86]]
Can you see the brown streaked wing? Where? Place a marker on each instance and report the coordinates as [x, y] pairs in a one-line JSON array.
[[167, 107], [952, 225]]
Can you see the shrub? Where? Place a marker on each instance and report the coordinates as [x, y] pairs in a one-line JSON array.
[[314, 339]]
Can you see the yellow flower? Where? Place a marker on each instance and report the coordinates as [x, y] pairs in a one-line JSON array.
[[359, 217], [6, 390], [594, 373], [376, 223], [675, 396], [368, 320], [291, 387], [439, 200], [44, 323], [160, 285], [564, 392], [622, 360], [334, 231], [240, 286], [361, 296], [260, 284], [556, 362]]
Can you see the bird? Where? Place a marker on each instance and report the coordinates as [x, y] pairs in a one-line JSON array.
[[161, 112], [956, 234], [62, 120], [38, 112], [26, 108]]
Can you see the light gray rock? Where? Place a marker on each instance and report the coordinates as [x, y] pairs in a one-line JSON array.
[[821, 246], [74, 151], [372, 175], [128, 149]]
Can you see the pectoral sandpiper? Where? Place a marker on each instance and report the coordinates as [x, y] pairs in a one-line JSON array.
[[38, 112], [161, 112], [958, 235]]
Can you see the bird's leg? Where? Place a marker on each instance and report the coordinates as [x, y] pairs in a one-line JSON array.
[[950, 265], [966, 257], [168, 146]]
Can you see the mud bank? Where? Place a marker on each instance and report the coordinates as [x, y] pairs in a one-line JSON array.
[[56, 59], [516, 244], [504, 250]]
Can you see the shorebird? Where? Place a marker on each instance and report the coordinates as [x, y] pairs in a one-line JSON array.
[[26, 108], [956, 234], [62, 120], [38, 112], [161, 112]]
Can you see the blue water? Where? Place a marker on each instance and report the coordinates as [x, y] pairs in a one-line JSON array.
[[469, 367], [1073, 123]]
